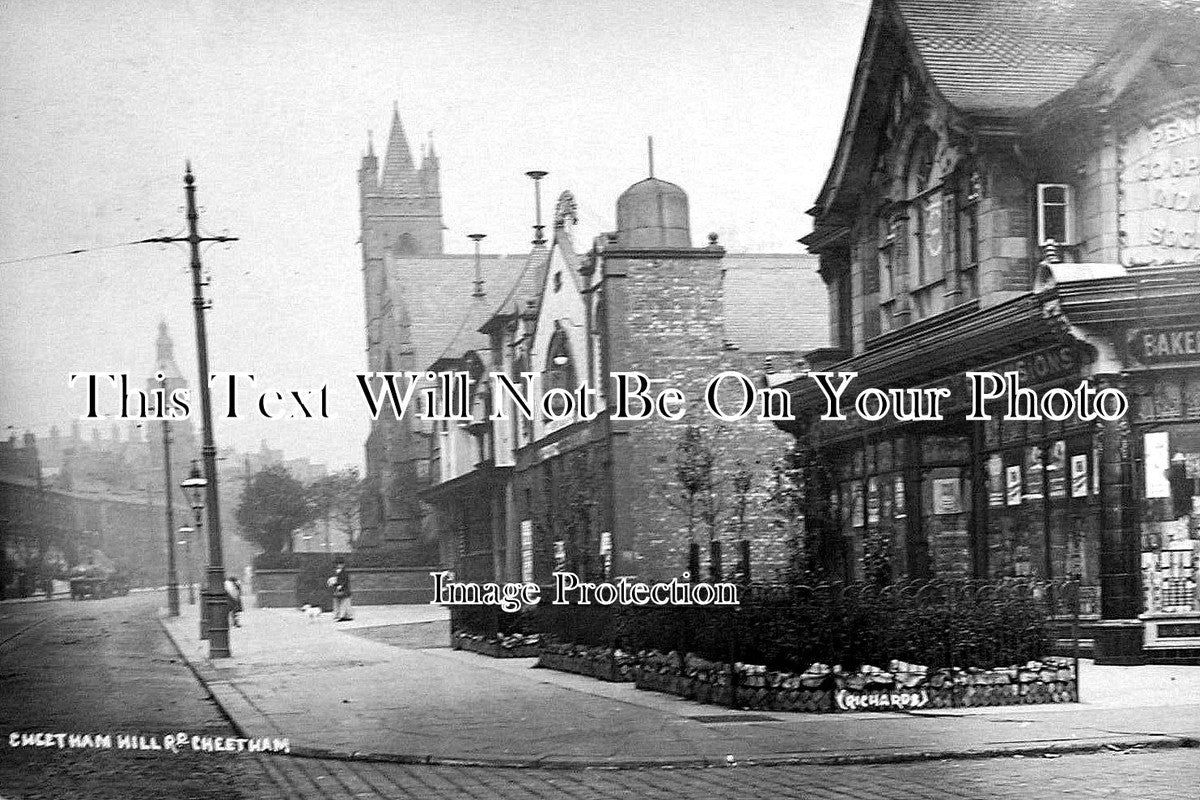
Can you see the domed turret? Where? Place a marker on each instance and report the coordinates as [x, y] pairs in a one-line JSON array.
[[653, 214]]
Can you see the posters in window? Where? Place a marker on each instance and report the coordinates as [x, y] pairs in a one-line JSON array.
[[1012, 474], [1158, 460], [527, 550], [995, 480], [872, 501], [1079, 475], [901, 508], [1056, 469], [856, 504], [947, 496], [1033, 473]]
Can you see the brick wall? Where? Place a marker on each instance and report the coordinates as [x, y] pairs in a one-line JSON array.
[[672, 330]]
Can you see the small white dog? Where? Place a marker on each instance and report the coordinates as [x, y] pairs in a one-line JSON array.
[[312, 612]]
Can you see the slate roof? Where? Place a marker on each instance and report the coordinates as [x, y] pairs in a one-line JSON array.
[[1006, 57], [775, 303], [499, 300], [436, 294]]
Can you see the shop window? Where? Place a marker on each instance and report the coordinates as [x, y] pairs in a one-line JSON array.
[[1055, 214], [1171, 519]]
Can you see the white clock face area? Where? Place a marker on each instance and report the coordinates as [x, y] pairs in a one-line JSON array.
[[1160, 183]]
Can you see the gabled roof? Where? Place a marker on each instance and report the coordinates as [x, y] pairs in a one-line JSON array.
[[996, 59], [506, 294], [436, 294], [1005, 57], [527, 287], [774, 303]]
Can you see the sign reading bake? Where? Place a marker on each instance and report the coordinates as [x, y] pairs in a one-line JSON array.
[[1165, 345], [1160, 206]]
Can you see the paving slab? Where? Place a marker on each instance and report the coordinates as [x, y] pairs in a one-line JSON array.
[[375, 688]]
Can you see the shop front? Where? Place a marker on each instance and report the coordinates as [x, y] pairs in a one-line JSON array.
[[1164, 384], [1114, 505]]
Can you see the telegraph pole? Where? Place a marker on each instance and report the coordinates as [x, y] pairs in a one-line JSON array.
[[172, 575], [214, 606]]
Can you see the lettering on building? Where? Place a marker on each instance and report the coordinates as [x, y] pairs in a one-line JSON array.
[[1160, 200]]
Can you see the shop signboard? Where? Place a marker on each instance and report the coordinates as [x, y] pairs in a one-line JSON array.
[[1174, 344]]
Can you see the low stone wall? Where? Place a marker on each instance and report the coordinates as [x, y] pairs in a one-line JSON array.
[[604, 663], [821, 688], [505, 647], [372, 586]]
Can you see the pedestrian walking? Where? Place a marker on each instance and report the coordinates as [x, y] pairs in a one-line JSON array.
[[233, 591], [339, 582]]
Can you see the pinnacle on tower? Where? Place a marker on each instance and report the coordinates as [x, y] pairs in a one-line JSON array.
[[399, 174]]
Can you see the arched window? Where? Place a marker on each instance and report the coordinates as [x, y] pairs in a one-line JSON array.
[[559, 372]]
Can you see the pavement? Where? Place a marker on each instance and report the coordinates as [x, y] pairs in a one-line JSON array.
[[386, 687]]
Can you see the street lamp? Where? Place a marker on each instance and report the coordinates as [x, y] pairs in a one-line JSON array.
[[186, 540], [214, 594], [194, 486]]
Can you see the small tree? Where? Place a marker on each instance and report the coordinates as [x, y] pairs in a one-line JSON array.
[[786, 502], [694, 473], [337, 499], [274, 506]]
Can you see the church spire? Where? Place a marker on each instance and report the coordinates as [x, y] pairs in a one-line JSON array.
[[164, 346], [399, 174]]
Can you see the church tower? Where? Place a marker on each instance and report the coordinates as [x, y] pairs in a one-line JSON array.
[[402, 207]]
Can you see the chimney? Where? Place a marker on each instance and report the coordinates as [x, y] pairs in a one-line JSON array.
[[476, 238], [537, 176]]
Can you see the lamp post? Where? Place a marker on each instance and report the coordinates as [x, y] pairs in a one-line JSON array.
[[186, 533], [172, 574], [215, 607], [193, 487]]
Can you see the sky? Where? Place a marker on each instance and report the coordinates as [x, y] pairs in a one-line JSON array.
[[101, 104]]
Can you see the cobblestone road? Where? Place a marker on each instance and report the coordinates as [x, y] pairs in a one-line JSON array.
[[106, 666]]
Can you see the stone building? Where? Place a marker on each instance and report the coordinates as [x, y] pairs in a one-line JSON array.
[[1015, 190], [518, 497], [412, 290]]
